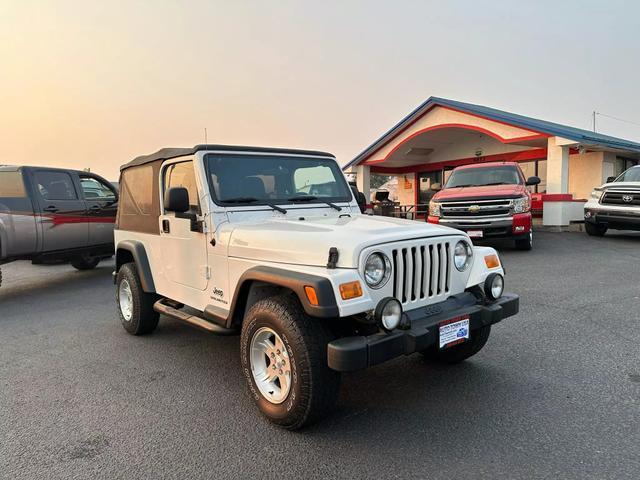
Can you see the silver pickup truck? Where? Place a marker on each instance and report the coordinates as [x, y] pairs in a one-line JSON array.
[[52, 215]]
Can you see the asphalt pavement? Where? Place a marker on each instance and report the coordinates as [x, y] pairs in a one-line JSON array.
[[554, 394]]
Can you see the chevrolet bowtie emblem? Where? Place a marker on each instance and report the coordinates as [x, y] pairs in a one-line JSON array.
[[627, 198], [474, 208]]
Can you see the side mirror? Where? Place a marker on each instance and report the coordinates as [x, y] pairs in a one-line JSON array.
[[176, 199], [436, 187], [532, 181], [611, 179]]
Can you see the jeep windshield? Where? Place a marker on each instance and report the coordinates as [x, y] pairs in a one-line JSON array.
[[240, 180], [484, 176]]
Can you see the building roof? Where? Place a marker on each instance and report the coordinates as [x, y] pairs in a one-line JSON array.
[[175, 152], [542, 126]]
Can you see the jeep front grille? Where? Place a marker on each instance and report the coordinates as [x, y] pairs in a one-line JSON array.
[[621, 197], [421, 271], [476, 209]]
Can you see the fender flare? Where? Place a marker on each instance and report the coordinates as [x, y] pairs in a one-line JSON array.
[[140, 258], [292, 280]]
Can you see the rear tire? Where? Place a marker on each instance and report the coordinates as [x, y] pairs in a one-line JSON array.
[[284, 359], [595, 229], [525, 243], [459, 353], [85, 262], [135, 306]]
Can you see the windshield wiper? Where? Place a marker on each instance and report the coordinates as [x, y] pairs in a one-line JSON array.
[[312, 198], [497, 183], [253, 200]]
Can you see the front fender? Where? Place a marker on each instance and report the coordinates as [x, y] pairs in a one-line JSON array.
[[479, 269], [295, 281]]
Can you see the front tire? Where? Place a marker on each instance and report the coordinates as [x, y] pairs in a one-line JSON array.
[[135, 306], [525, 243], [459, 353], [595, 229], [284, 359], [85, 262]]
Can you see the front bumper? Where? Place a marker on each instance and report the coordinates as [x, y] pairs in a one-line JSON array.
[[616, 218], [355, 353], [498, 227]]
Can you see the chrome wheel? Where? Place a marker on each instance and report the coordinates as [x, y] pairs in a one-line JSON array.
[[270, 365], [125, 299]]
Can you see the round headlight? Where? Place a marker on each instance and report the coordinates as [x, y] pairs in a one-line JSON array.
[[377, 270], [388, 313], [462, 255], [494, 286]]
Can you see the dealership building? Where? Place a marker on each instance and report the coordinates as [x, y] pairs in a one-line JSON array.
[[421, 150]]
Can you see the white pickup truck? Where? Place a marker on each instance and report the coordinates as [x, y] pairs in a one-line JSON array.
[[615, 205], [271, 244]]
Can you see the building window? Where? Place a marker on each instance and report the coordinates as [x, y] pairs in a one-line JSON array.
[[428, 184], [541, 171], [529, 170], [623, 164]]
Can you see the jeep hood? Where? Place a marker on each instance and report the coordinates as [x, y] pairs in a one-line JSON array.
[[307, 242], [480, 193]]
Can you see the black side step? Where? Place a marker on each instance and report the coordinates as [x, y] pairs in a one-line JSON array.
[[201, 323]]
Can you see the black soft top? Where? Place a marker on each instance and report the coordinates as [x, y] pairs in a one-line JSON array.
[[167, 153]]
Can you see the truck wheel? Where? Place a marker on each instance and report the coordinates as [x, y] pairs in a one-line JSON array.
[[460, 352], [525, 243], [85, 262], [284, 359], [135, 306], [595, 230]]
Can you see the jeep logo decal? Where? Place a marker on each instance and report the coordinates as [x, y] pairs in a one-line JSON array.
[[218, 292]]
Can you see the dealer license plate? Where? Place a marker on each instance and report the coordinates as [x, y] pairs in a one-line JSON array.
[[454, 332], [475, 233]]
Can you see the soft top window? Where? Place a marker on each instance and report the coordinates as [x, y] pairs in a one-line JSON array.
[[136, 191]]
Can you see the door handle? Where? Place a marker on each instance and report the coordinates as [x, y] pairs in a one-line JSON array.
[[166, 228], [51, 208], [95, 208]]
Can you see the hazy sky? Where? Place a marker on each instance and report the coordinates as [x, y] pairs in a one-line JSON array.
[[93, 84]]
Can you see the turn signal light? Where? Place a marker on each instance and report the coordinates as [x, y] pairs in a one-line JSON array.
[[311, 295], [492, 261], [350, 290]]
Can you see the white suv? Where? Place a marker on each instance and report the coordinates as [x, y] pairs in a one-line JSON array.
[[271, 244], [616, 204]]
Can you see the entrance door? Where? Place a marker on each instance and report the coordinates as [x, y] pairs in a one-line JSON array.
[[426, 182], [185, 250], [63, 212]]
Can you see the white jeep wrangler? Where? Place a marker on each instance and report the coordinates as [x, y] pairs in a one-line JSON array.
[[271, 243]]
